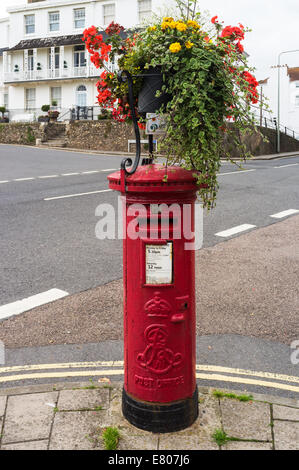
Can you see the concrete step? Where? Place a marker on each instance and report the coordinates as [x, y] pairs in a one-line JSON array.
[[54, 143]]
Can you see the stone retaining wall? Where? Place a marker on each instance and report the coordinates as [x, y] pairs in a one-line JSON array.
[[21, 133], [113, 136], [103, 135]]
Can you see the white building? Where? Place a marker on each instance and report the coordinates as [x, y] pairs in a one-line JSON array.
[[289, 98], [43, 57]]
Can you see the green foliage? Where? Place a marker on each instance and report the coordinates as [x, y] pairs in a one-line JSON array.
[[198, 76], [110, 437], [220, 437], [243, 397], [45, 108], [30, 136]]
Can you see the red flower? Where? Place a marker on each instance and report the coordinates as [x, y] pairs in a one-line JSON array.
[[214, 19]]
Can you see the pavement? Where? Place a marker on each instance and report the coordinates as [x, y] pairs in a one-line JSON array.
[[74, 416]]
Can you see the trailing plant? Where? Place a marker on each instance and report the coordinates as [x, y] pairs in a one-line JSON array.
[[206, 75]]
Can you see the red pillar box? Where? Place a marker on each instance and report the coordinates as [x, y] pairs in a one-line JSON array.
[[160, 392]]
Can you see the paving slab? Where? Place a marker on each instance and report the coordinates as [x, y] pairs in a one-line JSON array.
[[135, 439], [286, 435], [28, 417], [248, 446], [31, 445], [83, 399], [2, 405], [285, 413], [246, 420], [199, 435], [78, 430]]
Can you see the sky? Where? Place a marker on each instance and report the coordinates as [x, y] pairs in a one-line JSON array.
[[274, 25]]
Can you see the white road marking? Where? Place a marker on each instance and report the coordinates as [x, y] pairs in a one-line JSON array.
[[15, 308], [282, 214], [234, 230], [285, 166], [76, 195], [48, 176], [89, 172], [24, 179], [238, 172]]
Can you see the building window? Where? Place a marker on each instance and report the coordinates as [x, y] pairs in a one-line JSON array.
[[29, 24], [56, 58], [108, 13], [30, 65], [5, 100], [81, 95], [144, 10], [297, 101], [54, 21], [30, 99], [79, 18], [55, 95], [79, 56]]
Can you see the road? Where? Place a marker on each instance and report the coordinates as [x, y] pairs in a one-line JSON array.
[[47, 213], [50, 243]]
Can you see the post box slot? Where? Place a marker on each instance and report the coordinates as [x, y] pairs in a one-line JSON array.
[[157, 223]]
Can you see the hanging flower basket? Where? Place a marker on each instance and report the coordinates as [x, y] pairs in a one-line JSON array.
[[192, 72], [153, 82]]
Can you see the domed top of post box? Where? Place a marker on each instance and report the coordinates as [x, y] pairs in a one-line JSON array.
[[156, 178]]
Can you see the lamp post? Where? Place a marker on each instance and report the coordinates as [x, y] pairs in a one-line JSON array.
[[278, 97]]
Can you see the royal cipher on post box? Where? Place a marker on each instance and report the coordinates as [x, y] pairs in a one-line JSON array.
[[160, 392]]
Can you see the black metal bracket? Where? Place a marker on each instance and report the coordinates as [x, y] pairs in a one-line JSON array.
[[124, 75]]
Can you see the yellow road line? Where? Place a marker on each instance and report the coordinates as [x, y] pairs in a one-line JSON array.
[[265, 375], [207, 368], [241, 380], [62, 365], [50, 375], [114, 372]]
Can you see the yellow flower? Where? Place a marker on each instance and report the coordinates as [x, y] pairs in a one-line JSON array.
[[189, 44], [193, 24], [168, 19], [175, 47], [180, 26], [168, 24], [152, 28]]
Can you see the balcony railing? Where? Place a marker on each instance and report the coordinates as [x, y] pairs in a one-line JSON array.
[[47, 74]]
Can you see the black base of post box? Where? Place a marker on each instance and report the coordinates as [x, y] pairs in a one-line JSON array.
[[160, 417]]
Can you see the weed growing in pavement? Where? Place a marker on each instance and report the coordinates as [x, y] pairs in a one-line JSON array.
[[220, 394], [111, 437]]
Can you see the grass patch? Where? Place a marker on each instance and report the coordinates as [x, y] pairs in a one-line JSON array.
[[110, 437], [243, 397], [221, 438]]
